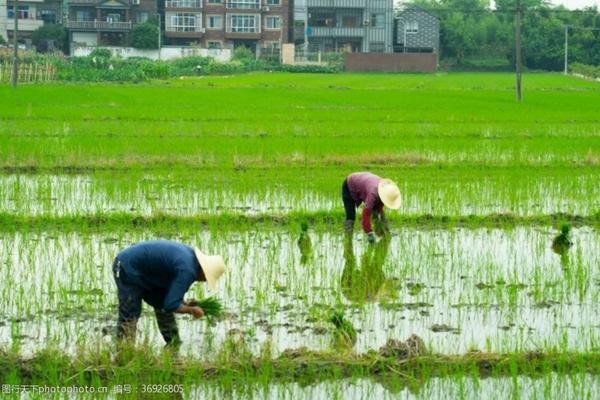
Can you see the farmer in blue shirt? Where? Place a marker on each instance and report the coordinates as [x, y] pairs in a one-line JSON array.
[[160, 272]]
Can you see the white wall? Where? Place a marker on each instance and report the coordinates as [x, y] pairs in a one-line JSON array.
[[86, 38], [167, 53]]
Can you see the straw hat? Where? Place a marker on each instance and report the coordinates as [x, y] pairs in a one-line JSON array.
[[213, 267], [389, 193]]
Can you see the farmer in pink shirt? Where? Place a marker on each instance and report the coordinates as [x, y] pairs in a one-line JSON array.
[[375, 192]]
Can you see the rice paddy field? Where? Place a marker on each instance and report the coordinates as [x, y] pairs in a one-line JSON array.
[[236, 165]]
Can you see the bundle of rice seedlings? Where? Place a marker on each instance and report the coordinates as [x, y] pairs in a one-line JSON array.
[[212, 307]]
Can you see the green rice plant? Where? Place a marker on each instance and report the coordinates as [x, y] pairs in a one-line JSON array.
[[345, 335], [212, 307]]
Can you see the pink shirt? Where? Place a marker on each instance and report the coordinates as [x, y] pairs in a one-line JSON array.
[[363, 188]]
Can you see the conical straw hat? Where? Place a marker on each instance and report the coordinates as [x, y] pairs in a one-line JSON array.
[[389, 194], [213, 267]]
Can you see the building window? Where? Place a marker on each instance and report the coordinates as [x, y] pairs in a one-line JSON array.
[[349, 21], [143, 17], [23, 12], [113, 17], [215, 22], [243, 4], [183, 3], [272, 22], [412, 27], [377, 20], [273, 2], [376, 47], [214, 1], [270, 48], [183, 22], [83, 15], [215, 45], [244, 24]]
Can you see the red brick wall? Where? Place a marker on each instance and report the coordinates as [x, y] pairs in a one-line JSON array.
[[391, 62]]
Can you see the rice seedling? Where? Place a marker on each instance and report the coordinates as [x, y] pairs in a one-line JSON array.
[[212, 307], [344, 335]]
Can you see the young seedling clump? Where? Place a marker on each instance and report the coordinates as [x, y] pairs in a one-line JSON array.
[[345, 335]]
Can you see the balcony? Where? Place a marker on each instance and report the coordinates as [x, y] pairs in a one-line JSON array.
[[336, 3], [98, 3], [25, 25], [186, 4], [338, 32], [99, 25], [243, 5], [83, 2], [184, 32]]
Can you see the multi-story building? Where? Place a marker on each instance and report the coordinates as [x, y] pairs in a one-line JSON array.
[[417, 31], [31, 15], [345, 25], [255, 24], [106, 22]]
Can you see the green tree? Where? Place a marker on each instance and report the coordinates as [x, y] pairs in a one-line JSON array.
[[2, 41], [54, 32], [145, 36]]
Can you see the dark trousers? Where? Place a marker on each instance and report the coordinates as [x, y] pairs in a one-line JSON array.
[[349, 203], [130, 309]]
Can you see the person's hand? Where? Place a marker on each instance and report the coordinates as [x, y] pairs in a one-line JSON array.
[[371, 238], [197, 312]]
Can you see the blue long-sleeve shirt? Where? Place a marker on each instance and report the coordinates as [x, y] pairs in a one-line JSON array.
[[164, 270]]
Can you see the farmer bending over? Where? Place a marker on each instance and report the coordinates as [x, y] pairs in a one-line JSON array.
[[375, 192], [160, 272]]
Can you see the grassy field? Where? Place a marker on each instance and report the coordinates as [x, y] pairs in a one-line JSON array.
[[237, 163]]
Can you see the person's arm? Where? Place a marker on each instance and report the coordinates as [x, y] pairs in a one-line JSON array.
[[196, 311], [366, 220], [174, 298]]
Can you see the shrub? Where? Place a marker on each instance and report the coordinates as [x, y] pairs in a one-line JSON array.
[[145, 36], [243, 54], [592, 71], [43, 34], [3, 41], [190, 66]]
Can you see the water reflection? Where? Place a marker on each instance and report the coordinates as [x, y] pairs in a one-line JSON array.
[[305, 245], [368, 282]]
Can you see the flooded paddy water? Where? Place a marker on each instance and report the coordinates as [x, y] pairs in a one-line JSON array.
[[495, 290], [550, 386], [60, 195]]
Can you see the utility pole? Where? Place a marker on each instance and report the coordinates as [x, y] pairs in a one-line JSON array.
[[566, 49], [15, 43], [159, 35], [518, 60]]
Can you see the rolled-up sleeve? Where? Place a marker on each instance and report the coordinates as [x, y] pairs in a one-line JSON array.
[[179, 287]]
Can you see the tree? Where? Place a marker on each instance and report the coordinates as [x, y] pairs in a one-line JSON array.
[[145, 36], [2, 41], [56, 33]]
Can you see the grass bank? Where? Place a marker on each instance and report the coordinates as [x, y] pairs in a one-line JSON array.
[[139, 366], [223, 222]]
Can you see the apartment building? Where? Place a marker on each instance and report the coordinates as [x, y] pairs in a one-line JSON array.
[[31, 15], [106, 22], [260, 25], [344, 25]]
